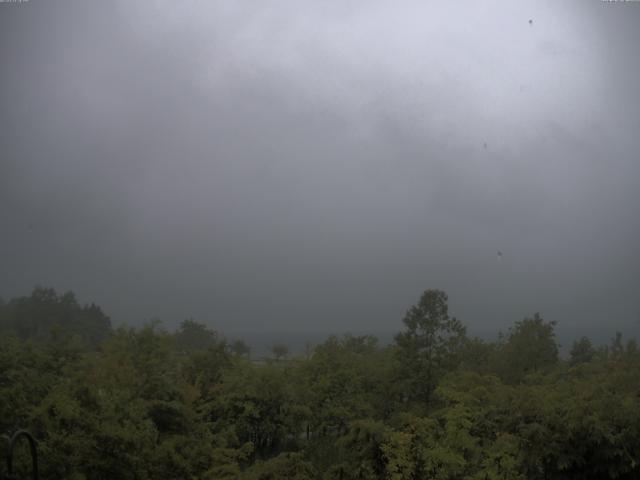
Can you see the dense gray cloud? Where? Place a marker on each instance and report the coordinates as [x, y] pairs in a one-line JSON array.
[[313, 166]]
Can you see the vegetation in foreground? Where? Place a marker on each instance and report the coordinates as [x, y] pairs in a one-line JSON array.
[[148, 404]]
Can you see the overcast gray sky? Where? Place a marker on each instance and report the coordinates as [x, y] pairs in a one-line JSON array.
[[315, 165]]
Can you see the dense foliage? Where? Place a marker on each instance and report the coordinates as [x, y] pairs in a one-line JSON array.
[[144, 403]]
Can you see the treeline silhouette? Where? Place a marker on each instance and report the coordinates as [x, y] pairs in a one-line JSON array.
[[145, 403]]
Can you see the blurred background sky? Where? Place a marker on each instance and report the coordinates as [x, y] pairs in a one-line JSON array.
[[313, 166]]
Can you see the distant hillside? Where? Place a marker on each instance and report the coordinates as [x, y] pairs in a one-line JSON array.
[[45, 314]]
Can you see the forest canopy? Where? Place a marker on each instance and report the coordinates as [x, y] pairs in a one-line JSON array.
[[147, 403]]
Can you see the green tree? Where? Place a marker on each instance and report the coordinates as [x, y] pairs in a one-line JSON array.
[[240, 348], [582, 351], [359, 452], [192, 335], [530, 347], [260, 405], [430, 345], [280, 351], [616, 350], [346, 379], [477, 355], [291, 466]]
